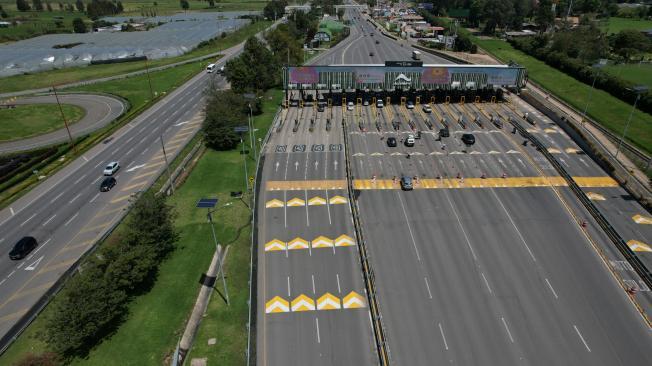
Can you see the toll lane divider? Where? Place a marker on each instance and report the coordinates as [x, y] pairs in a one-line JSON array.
[[302, 185], [327, 301], [615, 237], [380, 334], [300, 243]]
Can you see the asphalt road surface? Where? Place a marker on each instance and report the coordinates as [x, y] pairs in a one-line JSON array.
[[68, 214], [100, 110], [484, 263]]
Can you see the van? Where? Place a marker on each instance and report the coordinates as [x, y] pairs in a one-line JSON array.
[[409, 141], [379, 103], [210, 68]]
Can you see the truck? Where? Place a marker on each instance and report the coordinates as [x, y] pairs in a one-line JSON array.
[[416, 55]]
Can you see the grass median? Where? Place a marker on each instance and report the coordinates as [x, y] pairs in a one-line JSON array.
[[609, 111], [156, 319], [35, 119], [69, 75]]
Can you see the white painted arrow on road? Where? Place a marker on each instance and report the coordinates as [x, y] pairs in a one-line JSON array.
[[316, 163], [335, 163], [32, 266], [276, 169], [296, 165], [181, 123], [135, 167]]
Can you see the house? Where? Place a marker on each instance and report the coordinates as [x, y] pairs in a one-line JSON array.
[[327, 29], [5, 24]]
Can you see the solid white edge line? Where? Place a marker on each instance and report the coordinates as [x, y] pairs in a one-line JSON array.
[[582, 338]]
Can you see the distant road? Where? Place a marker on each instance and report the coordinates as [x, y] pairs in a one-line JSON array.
[[100, 110]]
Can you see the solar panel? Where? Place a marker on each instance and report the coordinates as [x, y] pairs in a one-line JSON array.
[[241, 129], [207, 203]]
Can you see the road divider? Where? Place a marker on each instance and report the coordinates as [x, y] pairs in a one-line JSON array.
[[313, 201], [507, 182]]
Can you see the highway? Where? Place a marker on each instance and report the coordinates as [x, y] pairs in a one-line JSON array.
[[312, 306], [99, 110], [484, 263], [67, 213]]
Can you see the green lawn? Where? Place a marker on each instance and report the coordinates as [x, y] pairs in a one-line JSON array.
[[69, 75], [609, 111], [227, 324], [615, 25], [636, 73], [28, 120], [156, 319]]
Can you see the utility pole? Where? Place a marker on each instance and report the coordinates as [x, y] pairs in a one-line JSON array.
[[252, 134], [639, 89], [167, 165], [149, 80], [226, 290], [65, 122], [244, 158]]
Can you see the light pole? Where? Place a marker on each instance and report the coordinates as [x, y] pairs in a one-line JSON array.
[[252, 134], [598, 66], [240, 130], [638, 89]]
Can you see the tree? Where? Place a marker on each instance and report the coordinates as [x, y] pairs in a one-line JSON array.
[[119, 7], [340, 14], [48, 6], [22, 5], [274, 9], [629, 43], [78, 25], [37, 5], [80, 6], [224, 111], [255, 69], [42, 359], [3, 14], [544, 15], [184, 4], [211, 3]]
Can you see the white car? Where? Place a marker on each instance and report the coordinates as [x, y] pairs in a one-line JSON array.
[[410, 105], [349, 106], [111, 168], [365, 103], [427, 108], [409, 141], [379, 103]]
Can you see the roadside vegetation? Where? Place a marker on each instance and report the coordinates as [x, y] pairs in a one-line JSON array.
[[70, 75], [607, 110], [29, 120]]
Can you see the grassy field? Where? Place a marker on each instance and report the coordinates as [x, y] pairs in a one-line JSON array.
[[69, 75], [607, 110], [638, 74], [156, 319], [227, 324], [28, 120], [615, 25]]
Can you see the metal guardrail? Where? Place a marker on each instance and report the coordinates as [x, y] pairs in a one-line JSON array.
[[368, 274], [613, 235], [253, 268]]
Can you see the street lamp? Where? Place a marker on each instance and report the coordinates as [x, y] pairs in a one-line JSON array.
[[240, 130], [638, 89], [598, 66]]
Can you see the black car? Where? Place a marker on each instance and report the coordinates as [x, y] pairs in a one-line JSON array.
[[320, 108], [444, 132], [371, 54], [377, 42], [391, 141], [406, 183], [23, 247], [468, 139], [107, 184]]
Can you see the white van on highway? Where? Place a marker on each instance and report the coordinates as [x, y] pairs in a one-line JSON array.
[[210, 68]]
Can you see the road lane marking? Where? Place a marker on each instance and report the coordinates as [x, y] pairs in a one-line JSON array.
[[80, 178], [12, 211], [70, 220], [313, 283], [34, 264], [302, 303], [97, 179], [25, 222], [289, 294], [507, 329], [317, 324], [339, 290], [328, 301], [353, 301], [514, 225], [552, 289], [55, 198], [640, 219], [50, 219], [135, 168], [74, 198], [582, 338], [443, 337], [638, 246], [486, 283], [407, 222], [428, 287], [11, 274], [94, 198]]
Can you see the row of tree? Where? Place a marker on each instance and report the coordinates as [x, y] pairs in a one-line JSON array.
[[94, 301], [95, 9], [574, 52]]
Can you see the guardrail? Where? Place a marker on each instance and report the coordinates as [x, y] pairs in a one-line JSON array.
[[613, 235], [253, 252], [368, 274]]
